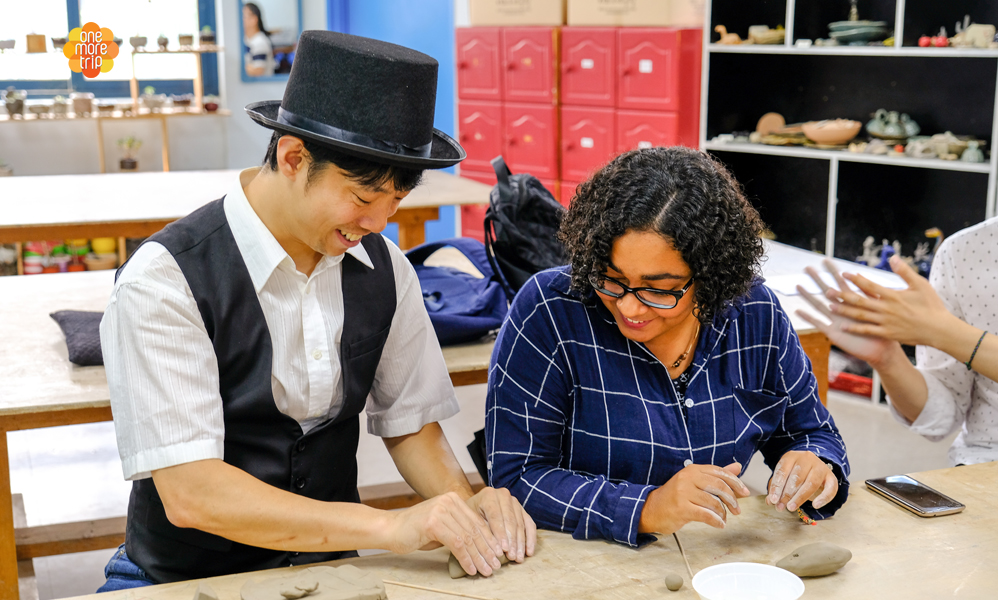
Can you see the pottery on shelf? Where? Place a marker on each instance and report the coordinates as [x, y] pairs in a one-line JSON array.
[[14, 99], [834, 132], [182, 101], [137, 41], [154, 102], [163, 42], [83, 103], [186, 39], [858, 33], [762, 34], [206, 36], [59, 42], [38, 109], [973, 153], [60, 106], [106, 110], [210, 103], [6, 45], [888, 126]]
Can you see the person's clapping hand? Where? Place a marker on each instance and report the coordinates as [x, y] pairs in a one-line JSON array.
[[847, 328]]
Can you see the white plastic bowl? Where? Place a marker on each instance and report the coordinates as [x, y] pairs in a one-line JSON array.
[[747, 581]]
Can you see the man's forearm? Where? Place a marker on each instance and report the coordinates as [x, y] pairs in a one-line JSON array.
[[903, 383], [216, 497], [428, 464]]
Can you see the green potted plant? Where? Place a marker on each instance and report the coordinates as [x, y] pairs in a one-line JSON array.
[[153, 101], [129, 147], [207, 36]]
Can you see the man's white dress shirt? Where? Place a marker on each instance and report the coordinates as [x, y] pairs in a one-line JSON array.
[[163, 374], [965, 274]]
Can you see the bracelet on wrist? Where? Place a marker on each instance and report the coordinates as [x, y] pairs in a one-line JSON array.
[[974, 353]]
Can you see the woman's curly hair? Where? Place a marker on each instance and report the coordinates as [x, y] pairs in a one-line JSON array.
[[682, 194]]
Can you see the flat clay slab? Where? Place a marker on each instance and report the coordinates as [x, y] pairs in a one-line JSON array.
[[335, 583]]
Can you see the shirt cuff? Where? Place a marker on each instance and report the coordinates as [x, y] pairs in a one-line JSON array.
[[406, 424], [836, 503], [142, 464], [627, 516]]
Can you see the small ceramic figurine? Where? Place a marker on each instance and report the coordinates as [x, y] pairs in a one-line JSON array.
[[973, 153], [163, 41], [727, 38]]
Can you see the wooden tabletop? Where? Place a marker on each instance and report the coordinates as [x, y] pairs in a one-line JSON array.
[[895, 555], [121, 197]]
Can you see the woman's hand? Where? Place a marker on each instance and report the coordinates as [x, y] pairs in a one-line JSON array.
[[697, 493], [801, 476], [911, 316], [842, 331]]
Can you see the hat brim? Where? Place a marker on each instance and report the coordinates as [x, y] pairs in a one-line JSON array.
[[444, 152]]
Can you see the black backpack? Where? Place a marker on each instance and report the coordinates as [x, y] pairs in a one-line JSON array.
[[521, 228]]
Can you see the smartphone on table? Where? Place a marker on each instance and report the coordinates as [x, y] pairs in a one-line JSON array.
[[914, 496]]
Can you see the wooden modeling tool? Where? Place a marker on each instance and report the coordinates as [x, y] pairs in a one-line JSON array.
[[683, 552]]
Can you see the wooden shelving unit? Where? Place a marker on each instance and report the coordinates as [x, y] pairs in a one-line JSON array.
[[830, 200]]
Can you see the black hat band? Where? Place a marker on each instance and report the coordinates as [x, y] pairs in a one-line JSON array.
[[289, 118]]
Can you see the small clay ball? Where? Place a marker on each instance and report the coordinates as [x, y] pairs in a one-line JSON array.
[[673, 582]]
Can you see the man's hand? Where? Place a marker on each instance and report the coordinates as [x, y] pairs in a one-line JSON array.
[[801, 476], [509, 523], [447, 520], [697, 493]]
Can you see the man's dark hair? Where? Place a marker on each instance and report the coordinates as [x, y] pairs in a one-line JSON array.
[[682, 194], [365, 172]]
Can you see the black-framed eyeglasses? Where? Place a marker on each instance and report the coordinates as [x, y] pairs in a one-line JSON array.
[[652, 297]]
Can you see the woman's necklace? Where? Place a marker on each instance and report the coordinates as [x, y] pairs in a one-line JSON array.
[[683, 356]]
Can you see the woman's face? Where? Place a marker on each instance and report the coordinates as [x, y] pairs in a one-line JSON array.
[[646, 259], [249, 19]]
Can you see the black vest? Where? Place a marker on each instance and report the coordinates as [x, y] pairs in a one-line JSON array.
[[259, 439]]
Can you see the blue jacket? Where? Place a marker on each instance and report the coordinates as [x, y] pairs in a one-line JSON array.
[[582, 423]]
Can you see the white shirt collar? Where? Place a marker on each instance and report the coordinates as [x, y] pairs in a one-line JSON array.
[[261, 251]]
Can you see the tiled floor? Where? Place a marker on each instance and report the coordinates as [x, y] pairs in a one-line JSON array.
[[73, 473]]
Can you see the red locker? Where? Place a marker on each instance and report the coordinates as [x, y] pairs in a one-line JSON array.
[[567, 191], [473, 215], [481, 136], [531, 139], [589, 66], [479, 63], [531, 59], [638, 129], [649, 68], [588, 140]]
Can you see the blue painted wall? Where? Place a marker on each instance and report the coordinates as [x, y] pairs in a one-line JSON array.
[[424, 25]]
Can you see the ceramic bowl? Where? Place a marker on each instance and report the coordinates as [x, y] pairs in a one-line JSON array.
[[104, 245], [58, 43], [833, 132], [7, 44], [39, 109], [137, 41], [731, 581], [186, 39], [100, 262], [859, 35], [843, 25]]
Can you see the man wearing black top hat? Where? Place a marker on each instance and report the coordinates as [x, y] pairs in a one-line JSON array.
[[242, 343]]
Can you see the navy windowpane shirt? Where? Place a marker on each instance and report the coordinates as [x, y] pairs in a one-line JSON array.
[[582, 423]]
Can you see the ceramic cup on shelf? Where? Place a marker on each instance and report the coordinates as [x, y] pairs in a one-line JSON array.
[[83, 103]]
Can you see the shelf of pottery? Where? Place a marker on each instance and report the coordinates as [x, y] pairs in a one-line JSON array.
[[850, 122], [145, 105]]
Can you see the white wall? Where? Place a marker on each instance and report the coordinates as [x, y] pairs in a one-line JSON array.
[[62, 147]]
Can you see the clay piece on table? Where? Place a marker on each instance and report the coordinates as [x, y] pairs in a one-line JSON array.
[[205, 592], [318, 583], [815, 560], [456, 571], [673, 582]]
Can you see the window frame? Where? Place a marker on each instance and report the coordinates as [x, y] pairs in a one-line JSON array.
[[76, 82]]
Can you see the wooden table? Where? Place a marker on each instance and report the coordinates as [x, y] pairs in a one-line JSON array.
[[39, 387], [895, 555], [136, 205]]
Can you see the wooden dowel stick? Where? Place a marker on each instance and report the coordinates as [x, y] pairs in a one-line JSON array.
[[685, 560], [429, 589]]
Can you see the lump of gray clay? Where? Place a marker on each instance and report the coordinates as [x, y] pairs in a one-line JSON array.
[[205, 592], [673, 582], [319, 583], [815, 560], [456, 571]]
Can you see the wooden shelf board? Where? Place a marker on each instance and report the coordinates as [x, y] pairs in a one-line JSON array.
[[845, 156], [222, 112], [182, 50]]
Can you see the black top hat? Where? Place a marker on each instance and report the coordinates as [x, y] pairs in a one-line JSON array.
[[364, 97]]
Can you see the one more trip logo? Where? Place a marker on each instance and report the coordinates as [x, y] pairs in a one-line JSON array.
[[91, 50]]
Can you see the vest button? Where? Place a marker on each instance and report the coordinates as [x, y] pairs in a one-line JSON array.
[[300, 446], [300, 482]]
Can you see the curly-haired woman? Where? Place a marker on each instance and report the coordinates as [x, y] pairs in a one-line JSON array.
[[629, 388]]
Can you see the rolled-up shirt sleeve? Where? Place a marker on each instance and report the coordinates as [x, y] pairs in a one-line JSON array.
[[527, 412], [161, 368], [948, 380], [412, 386]]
